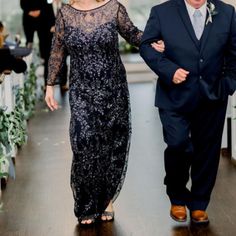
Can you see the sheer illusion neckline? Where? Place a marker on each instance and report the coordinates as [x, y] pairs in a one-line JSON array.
[[92, 9]]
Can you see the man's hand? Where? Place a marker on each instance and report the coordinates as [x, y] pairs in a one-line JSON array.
[[180, 76], [159, 46], [49, 98], [35, 13]]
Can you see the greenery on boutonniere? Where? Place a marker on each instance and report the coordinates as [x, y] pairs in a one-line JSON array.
[[211, 10]]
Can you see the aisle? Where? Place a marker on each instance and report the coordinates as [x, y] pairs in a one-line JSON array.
[[39, 202]]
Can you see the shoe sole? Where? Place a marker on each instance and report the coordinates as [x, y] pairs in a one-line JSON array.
[[87, 225], [82, 225], [178, 220], [200, 223]]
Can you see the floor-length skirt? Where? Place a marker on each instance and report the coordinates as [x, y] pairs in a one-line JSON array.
[[100, 139]]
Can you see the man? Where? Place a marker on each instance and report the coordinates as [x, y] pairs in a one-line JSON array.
[[38, 16], [31, 16], [196, 73]]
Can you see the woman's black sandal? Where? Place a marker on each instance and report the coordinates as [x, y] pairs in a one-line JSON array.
[[87, 218], [110, 214]]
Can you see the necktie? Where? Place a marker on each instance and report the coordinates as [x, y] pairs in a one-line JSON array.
[[198, 24]]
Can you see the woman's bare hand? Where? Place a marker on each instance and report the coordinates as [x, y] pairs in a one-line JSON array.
[[49, 98], [159, 46]]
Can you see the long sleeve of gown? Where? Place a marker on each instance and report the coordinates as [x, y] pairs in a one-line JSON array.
[[127, 29], [58, 51]]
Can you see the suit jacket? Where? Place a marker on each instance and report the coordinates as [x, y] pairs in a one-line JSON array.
[[46, 18], [30, 5], [47, 15], [211, 61]]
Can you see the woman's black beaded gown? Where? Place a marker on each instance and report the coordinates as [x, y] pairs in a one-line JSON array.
[[100, 125]]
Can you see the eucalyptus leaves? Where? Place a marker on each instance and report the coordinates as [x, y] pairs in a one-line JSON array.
[[29, 94], [6, 145], [13, 125]]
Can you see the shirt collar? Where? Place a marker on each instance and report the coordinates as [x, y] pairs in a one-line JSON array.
[[191, 9]]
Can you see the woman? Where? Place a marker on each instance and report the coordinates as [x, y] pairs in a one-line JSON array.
[[99, 100]]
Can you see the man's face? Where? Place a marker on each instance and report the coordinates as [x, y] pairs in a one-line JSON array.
[[196, 3]]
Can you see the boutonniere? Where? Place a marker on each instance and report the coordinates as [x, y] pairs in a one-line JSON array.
[[211, 9]]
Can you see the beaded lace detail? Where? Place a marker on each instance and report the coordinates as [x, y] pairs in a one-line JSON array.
[[100, 124]]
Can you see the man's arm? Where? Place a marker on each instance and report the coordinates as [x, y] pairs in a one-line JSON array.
[[229, 78], [157, 61]]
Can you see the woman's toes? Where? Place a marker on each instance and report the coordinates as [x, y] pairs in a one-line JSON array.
[[86, 222], [89, 221]]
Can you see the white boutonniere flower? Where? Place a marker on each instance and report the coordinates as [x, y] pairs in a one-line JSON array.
[[211, 9]]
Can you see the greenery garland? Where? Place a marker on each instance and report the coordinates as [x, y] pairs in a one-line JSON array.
[[13, 125], [5, 144], [29, 94]]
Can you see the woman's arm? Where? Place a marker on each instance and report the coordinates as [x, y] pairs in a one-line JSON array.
[[56, 60], [131, 33], [126, 27]]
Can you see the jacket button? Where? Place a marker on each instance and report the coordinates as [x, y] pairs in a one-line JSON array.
[[200, 77], [201, 60]]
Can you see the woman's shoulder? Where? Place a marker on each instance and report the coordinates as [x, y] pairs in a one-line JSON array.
[[112, 3], [65, 9], [120, 5], [65, 6]]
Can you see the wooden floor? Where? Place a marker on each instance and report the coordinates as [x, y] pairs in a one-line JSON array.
[[39, 202]]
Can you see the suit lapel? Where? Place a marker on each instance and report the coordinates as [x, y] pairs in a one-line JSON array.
[[187, 22], [207, 30], [205, 35]]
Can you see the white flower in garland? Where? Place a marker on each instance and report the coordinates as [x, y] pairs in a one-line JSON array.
[[211, 9]]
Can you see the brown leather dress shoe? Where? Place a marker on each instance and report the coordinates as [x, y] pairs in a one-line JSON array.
[[178, 213], [199, 217]]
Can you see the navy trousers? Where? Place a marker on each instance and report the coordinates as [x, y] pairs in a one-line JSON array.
[[193, 150]]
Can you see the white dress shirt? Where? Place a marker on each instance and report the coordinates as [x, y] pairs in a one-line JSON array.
[[203, 10]]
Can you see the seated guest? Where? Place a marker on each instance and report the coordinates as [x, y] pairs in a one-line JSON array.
[[3, 34], [8, 62]]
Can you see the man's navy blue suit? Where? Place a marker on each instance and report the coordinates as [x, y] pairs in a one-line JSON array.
[[193, 112]]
